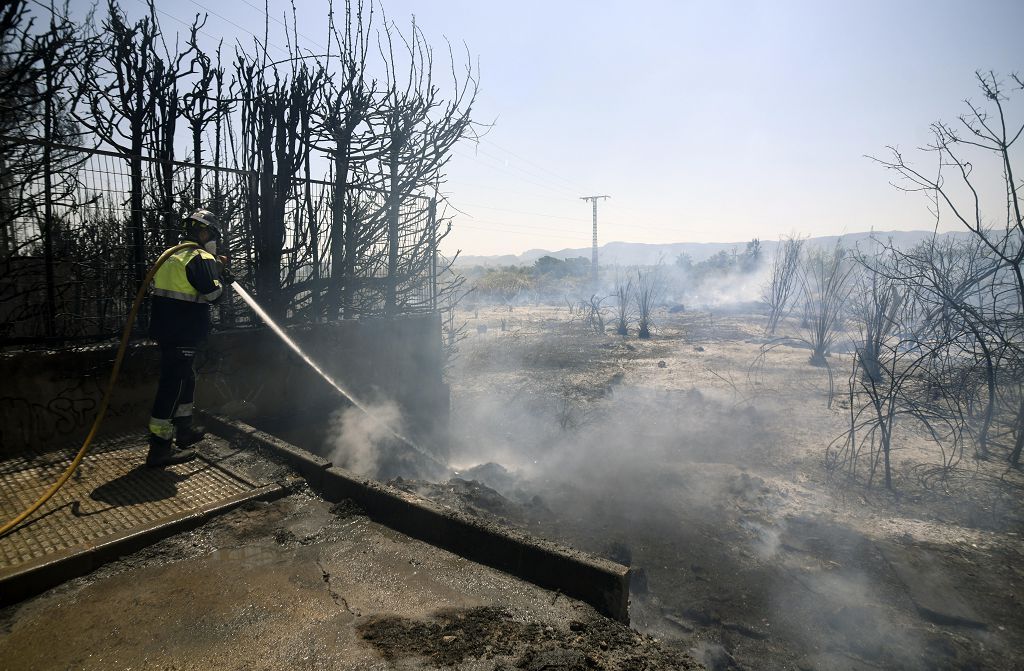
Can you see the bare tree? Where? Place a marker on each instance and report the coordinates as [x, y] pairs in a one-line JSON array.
[[779, 293], [876, 302], [985, 132], [420, 128], [128, 83], [825, 280], [275, 111], [37, 173], [343, 121], [623, 303], [956, 289], [650, 286], [593, 310], [362, 242]]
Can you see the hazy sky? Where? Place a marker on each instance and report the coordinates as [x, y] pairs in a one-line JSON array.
[[704, 121]]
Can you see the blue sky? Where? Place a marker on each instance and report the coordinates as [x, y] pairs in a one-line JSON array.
[[704, 121]]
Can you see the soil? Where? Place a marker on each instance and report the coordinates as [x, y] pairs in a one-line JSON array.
[[700, 461], [453, 637]]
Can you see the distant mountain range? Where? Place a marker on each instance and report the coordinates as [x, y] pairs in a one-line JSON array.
[[638, 253]]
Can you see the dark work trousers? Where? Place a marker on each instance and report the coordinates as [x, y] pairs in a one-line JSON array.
[[174, 393]]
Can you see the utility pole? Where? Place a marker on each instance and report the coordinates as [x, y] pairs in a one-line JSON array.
[[593, 251]]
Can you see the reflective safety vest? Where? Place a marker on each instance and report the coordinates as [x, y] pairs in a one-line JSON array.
[[171, 279]]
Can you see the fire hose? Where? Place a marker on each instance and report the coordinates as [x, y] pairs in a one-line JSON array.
[[139, 295]]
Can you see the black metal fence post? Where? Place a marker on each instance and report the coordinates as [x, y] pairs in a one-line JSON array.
[[51, 289]]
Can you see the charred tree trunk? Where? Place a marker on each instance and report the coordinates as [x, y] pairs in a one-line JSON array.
[[394, 204], [1018, 445]]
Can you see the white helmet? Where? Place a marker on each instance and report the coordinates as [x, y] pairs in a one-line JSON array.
[[202, 219]]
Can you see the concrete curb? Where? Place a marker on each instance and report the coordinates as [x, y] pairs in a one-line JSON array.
[[601, 583]]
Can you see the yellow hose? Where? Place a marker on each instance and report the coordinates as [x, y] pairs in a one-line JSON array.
[[106, 395]]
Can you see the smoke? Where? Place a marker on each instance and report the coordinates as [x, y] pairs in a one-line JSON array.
[[675, 482], [363, 442], [620, 453], [718, 289]]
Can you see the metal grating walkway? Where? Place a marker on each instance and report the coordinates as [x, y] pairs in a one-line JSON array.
[[110, 494]]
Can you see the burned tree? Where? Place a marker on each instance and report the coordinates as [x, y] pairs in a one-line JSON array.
[[274, 130], [206, 103], [623, 304], [780, 291], [825, 281], [37, 173], [876, 301], [650, 286], [363, 241], [420, 128], [127, 82], [984, 133], [342, 123]]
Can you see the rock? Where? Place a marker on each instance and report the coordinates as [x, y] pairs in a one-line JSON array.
[[662, 364], [698, 348]]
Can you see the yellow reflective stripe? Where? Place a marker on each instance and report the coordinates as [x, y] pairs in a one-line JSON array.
[[161, 428], [177, 295]]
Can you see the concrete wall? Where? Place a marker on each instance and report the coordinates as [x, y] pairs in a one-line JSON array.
[[49, 399]]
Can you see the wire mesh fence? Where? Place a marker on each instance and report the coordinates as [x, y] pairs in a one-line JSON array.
[[79, 227]]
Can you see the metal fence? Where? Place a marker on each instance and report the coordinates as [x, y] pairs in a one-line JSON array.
[[73, 248]]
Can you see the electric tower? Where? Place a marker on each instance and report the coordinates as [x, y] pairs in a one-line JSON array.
[[593, 250]]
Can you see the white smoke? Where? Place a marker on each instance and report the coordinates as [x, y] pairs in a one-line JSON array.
[[359, 439]]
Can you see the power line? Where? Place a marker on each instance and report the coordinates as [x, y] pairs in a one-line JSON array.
[[660, 229], [229, 21], [175, 18], [504, 169], [568, 181], [525, 228], [531, 173], [532, 214], [285, 25], [494, 229]]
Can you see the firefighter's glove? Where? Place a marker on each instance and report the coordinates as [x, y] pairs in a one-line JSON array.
[[226, 276]]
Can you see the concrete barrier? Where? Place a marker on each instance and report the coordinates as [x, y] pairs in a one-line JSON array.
[[601, 583], [49, 398]]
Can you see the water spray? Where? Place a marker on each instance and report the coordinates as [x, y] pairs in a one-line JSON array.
[[327, 378]]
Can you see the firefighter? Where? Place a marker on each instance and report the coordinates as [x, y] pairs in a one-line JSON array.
[[182, 291]]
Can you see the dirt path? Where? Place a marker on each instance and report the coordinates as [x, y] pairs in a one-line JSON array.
[[707, 475]]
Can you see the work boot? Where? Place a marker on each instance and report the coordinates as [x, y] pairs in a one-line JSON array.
[[163, 453], [187, 435]]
